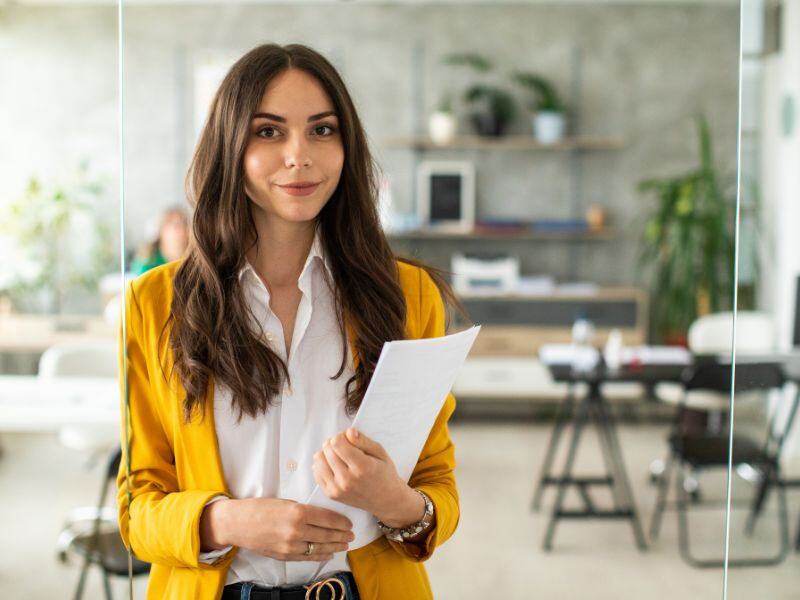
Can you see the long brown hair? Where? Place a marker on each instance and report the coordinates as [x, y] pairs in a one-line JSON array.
[[210, 332]]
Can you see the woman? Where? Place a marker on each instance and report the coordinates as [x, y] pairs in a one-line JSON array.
[[247, 361], [169, 245]]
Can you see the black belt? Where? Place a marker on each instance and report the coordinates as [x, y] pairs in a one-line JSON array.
[[331, 591]]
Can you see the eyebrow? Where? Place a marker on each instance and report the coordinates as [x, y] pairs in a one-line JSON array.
[[280, 119]]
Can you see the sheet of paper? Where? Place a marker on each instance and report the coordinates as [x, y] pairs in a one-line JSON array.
[[655, 355], [569, 354], [408, 388]]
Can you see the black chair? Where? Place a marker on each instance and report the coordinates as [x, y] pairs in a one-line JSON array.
[[691, 453], [95, 538], [768, 480]]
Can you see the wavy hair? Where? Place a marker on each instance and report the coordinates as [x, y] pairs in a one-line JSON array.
[[209, 325]]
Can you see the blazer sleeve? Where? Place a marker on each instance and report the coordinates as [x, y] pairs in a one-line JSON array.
[[157, 521], [434, 472]]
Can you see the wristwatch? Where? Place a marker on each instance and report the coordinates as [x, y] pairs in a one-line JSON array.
[[405, 533]]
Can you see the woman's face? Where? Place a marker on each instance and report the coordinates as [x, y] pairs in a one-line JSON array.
[[174, 236], [294, 138]]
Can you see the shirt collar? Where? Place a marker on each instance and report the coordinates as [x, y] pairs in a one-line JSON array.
[[317, 251]]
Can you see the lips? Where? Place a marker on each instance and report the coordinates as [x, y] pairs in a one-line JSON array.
[[300, 184], [299, 189]]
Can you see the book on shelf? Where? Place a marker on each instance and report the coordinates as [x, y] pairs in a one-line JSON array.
[[560, 226], [501, 226]]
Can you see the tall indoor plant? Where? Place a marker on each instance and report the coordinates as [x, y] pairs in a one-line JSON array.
[[688, 243]]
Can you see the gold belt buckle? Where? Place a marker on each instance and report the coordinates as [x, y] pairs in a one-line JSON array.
[[317, 586]]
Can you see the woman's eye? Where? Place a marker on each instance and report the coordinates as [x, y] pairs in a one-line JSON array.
[[325, 127], [263, 129], [271, 132]]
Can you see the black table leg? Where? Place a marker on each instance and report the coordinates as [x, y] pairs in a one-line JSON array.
[[797, 541], [619, 473], [580, 420], [620, 503], [563, 414], [593, 407]]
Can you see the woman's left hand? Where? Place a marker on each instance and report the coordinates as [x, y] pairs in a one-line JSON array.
[[357, 471]]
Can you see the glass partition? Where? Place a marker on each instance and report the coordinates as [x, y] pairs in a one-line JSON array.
[[763, 526], [59, 292], [569, 168]]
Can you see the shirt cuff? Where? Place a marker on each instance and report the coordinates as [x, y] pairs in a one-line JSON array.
[[211, 556]]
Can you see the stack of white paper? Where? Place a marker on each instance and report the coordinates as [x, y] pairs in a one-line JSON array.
[[408, 388], [656, 355]]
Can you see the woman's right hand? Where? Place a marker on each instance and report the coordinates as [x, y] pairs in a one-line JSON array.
[[274, 527]]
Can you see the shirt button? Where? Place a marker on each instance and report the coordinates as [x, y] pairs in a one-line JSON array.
[[270, 337], [291, 465]]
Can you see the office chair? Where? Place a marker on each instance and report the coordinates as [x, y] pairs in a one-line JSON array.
[[692, 452], [765, 481], [711, 335], [96, 538]]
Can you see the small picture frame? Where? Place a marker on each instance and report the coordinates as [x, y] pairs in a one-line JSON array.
[[446, 195]]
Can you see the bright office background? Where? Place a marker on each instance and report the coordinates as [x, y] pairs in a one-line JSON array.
[[569, 216]]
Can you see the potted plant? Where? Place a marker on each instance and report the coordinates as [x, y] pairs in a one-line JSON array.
[[58, 244], [549, 122], [442, 123], [493, 107], [688, 244]]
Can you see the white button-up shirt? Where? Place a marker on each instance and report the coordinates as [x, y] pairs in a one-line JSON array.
[[271, 455]]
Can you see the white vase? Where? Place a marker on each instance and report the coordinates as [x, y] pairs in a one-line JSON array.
[[548, 126], [442, 127]]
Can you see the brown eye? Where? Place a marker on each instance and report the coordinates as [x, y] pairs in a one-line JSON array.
[[332, 129], [267, 128]]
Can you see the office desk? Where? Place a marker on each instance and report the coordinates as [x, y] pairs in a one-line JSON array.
[[594, 406], [33, 404], [36, 333]]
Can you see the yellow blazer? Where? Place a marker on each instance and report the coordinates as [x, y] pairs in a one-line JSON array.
[[175, 467]]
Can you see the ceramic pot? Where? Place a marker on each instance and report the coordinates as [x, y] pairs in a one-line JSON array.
[[442, 127], [548, 126]]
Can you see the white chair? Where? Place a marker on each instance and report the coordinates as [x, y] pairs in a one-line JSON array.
[[713, 334], [92, 358]]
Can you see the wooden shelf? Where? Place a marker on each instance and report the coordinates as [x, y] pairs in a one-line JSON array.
[[507, 142], [565, 236]]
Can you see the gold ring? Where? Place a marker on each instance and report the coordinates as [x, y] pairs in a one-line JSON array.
[[310, 550]]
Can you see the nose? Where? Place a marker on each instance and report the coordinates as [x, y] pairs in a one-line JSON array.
[[297, 152]]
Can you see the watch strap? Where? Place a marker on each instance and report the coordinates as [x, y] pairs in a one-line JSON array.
[[410, 531]]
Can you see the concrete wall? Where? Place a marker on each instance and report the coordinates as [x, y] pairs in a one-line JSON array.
[[646, 70]]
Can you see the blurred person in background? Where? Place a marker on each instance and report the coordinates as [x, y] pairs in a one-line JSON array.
[[170, 242]]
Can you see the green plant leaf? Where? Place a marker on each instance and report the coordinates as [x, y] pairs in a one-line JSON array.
[[471, 59], [545, 95], [687, 244]]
